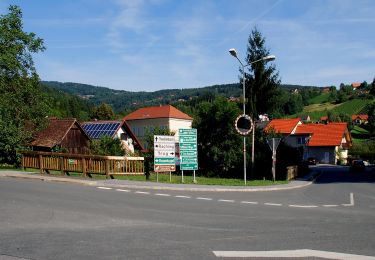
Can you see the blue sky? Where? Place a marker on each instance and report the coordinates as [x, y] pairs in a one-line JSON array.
[[162, 44]]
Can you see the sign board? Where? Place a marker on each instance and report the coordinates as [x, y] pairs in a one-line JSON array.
[[188, 149], [164, 153]]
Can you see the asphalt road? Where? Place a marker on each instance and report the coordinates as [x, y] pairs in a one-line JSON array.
[[46, 220]]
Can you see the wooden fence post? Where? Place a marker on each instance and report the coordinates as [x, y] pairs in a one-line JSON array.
[[84, 167], [41, 163], [106, 168]]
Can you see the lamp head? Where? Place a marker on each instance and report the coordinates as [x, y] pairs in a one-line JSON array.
[[269, 58], [233, 52]]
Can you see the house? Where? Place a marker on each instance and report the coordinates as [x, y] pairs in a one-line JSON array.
[[324, 120], [360, 119], [65, 135], [146, 119], [355, 86], [305, 118], [114, 129], [328, 143]]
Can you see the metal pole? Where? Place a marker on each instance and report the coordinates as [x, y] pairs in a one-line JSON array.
[[244, 112], [253, 147]]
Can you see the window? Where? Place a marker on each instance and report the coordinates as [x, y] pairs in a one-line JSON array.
[[302, 140]]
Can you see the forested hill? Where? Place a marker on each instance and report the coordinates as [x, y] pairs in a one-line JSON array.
[[122, 101]]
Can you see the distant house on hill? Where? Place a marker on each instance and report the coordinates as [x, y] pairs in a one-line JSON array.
[[62, 134], [146, 119], [328, 143], [305, 118], [324, 120], [113, 129], [355, 86], [360, 119]]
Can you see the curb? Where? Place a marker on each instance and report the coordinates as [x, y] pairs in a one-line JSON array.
[[134, 184]]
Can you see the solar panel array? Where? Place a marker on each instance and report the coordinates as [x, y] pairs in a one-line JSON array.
[[97, 130]]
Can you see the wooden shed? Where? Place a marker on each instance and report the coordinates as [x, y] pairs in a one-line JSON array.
[[66, 134]]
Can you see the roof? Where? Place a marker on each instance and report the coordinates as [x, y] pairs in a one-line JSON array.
[[361, 117], [96, 129], [157, 112], [283, 126], [325, 134], [55, 132], [356, 85], [324, 118]]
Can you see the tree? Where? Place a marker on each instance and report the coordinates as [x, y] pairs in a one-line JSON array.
[[262, 80], [371, 119], [219, 145], [372, 88], [107, 146], [103, 112], [22, 104]]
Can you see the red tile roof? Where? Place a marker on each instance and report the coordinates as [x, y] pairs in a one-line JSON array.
[[361, 117], [157, 112], [356, 85], [282, 126], [325, 135], [55, 132]]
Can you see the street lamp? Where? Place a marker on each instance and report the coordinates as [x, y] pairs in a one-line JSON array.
[[233, 52]]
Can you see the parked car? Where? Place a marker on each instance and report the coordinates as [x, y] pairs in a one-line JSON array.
[[357, 166], [312, 161]]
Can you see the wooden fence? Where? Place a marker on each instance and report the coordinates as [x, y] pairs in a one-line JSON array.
[[85, 164]]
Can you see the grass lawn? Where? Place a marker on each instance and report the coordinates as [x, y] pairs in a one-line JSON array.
[[176, 179], [320, 99]]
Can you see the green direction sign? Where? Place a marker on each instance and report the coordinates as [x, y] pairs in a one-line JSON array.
[[164, 160], [187, 147], [189, 160], [189, 153], [188, 131], [188, 139], [188, 166]]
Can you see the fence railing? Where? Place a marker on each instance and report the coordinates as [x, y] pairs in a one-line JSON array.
[[85, 164]]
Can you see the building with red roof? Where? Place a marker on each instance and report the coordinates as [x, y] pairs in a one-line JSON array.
[[146, 119], [328, 143], [360, 119]]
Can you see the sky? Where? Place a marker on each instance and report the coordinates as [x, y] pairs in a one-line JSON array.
[[148, 45]]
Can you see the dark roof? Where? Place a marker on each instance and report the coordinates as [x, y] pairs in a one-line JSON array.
[[95, 129], [55, 132]]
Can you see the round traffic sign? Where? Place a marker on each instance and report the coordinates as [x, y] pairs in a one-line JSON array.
[[243, 124]]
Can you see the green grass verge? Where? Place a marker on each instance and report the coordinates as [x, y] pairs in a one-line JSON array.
[[176, 179]]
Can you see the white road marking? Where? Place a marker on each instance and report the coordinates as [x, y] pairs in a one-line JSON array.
[[303, 206], [273, 204], [184, 197], [122, 190], [162, 194], [330, 206], [249, 202], [142, 192], [202, 198], [351, 201], [104, 188], [292, 253], [226, 200]]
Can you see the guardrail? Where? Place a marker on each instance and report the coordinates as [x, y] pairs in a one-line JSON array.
[[85, 164]]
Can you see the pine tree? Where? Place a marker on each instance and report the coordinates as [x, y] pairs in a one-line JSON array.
[[262, 79]]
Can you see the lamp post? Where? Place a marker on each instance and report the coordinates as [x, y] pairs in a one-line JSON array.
[[233, 52]]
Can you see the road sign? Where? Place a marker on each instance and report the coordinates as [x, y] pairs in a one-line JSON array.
[[188, 149], [164, 153]]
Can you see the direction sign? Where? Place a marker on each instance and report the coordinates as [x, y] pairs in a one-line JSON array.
[[188, 149], [164, 153]]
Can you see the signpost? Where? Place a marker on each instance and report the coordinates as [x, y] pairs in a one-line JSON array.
[[273, 144], [164, 154], [188, 150]]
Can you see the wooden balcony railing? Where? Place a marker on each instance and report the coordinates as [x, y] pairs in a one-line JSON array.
[[85, 164]]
